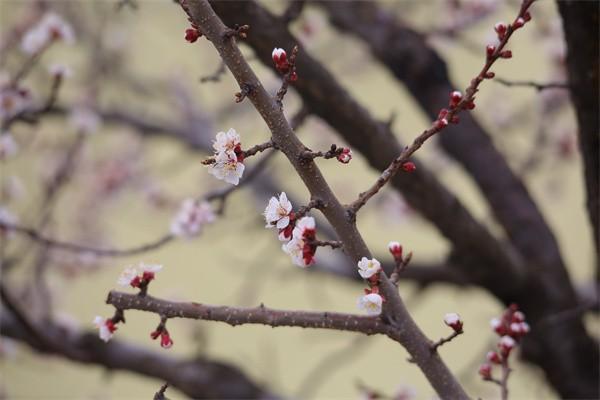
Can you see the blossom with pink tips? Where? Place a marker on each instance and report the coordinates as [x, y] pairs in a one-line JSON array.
[[277, 213], [371, 303], [106, 327]]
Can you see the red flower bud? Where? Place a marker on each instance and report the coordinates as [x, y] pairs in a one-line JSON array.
[[493, 357], [490, 49], [501, 29], [485, 370], [527, 16], [518, 23], [489, 75], [345, 156], [506, 54], [455, 98], [409, 166], [165, 340], [191, 35]]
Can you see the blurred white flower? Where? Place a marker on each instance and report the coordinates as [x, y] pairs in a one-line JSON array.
[[106, 328], [191, 218], [60, 70], [84, 119], [50, 27], [8, 146]]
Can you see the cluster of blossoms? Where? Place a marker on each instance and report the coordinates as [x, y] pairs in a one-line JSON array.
[[299, 234], [138, 276], [191, 218], [228, 162], [371, 302], [50, 28], [282, 63], [511, 327]]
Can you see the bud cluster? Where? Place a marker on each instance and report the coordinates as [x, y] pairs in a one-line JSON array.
[[510, 327], [282, 63], [371, 302]]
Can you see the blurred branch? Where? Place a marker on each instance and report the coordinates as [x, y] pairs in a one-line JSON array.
[[538, 86], [197, 378]]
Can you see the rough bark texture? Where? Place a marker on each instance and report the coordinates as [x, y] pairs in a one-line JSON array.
[[565, 351], [580, 25]]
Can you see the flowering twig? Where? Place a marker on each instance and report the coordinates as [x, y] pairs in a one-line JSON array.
[[258, 315], [447, 339], [343, 154], [399, 324], [289, 76], [458, 103], [535, 85]]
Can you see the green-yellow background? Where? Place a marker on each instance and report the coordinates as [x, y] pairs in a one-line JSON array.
[[237, 261]]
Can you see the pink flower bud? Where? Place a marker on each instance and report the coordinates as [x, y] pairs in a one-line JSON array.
[[506, 344], [396, 249], [279, 56], [493, 357], [192, 34], [165, 340], [455, 98], [409, 166], [345, 156], [453, 321], [485, 370], [518, 23], [490, 49], [501, 29], [441, 123], [518, 316], [442, 114]]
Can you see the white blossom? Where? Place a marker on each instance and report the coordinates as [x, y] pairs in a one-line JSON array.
[[153, 268], [295, 249], [304, 224], [50, 27], [104, 331], [8, 146], [191, 218], [368, 267], [226, 167], [127, 276], [371, 303], [451, 319], [507, 343], [278, 211], [226, 141], [84, 119]]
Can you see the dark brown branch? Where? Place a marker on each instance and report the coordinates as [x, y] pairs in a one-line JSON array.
[[580, 22], [258, 315], [160, 395]]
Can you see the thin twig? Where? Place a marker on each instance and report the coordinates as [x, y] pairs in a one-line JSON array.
[[535, 85], [436, 127], [447, 339]]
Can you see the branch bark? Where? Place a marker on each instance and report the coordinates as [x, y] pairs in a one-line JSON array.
[[395, 313]]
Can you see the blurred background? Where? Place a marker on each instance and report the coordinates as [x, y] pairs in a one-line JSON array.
[[133, 71]]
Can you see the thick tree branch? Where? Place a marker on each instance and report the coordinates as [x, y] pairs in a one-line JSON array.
[[408, 334], [580, 23]]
